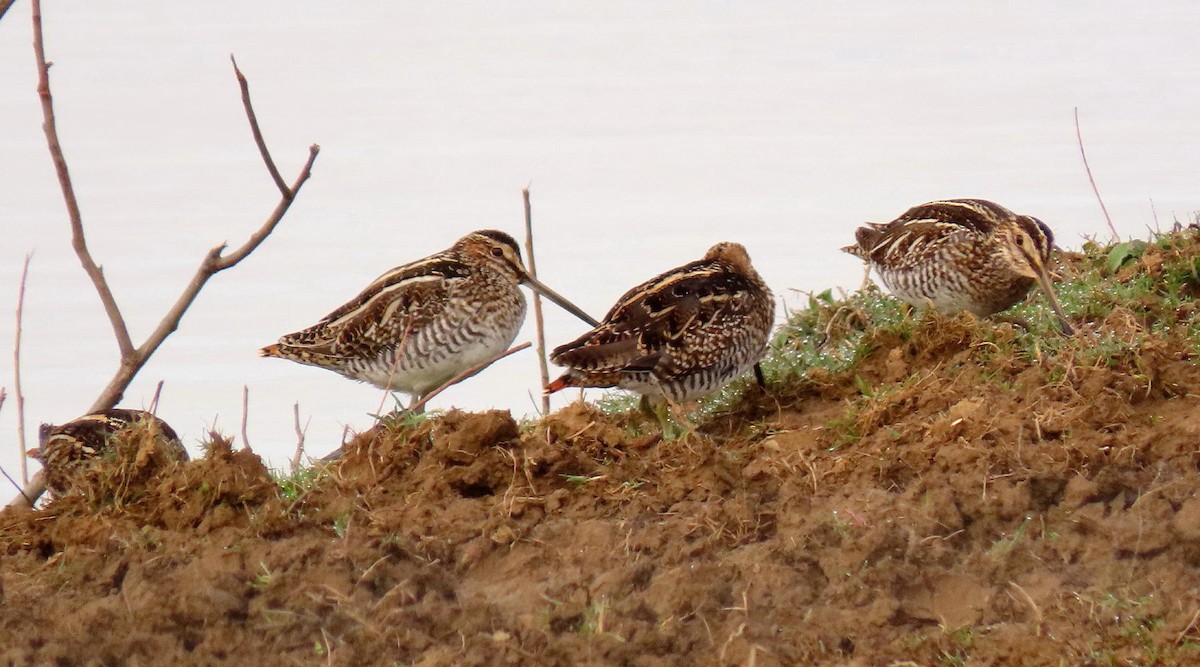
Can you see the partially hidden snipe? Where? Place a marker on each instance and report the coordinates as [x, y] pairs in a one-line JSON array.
[[61, 448], [961, 254], [678, 336], [422, 323]]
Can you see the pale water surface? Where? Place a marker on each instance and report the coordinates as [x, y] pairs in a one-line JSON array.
[[648, 132]]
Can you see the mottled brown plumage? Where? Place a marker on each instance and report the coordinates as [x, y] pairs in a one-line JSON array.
[[420, 324], [61, 449], [961, 254], [678, 336]]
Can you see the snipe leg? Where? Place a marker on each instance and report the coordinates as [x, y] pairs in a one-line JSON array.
[[758, 375], [416, 407]]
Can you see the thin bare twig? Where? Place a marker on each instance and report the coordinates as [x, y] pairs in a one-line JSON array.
[[245, 415], [465, 375], [14, 483], [287, 193], [214, 261], [17, 372], [1187, 628], [154, 399], [3, 396], [537, 302], [387, 391], [1079, 136], [300, 433]]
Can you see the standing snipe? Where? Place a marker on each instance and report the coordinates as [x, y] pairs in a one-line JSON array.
[[62, 447], [679, 335], [420, 324], [961, 254]]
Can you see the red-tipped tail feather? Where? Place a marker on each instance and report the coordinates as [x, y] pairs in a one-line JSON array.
[[561, 383]]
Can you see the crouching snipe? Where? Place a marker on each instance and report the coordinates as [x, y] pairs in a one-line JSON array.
[[961, 254], [678, 336], [65, 450]]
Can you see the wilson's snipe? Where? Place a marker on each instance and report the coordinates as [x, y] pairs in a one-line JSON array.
[[420, 324], [61, 447], [961, 254], [679, 335]]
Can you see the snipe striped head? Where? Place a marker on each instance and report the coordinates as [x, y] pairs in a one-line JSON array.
[[420, 324], [961, 254]]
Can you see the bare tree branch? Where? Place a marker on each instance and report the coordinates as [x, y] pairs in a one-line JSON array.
[[537, 302], [287, 193], [214, 261], [4, 5], [1079, 136], [78, 242], [17, 372], [465, 375]]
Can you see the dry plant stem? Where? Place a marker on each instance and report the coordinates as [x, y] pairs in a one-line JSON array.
[[1079, 136], [537, 303], [465, 375], [17, 374], [132, 359], [4, 395], [387, 391], [245, 415], [15, 485], [154, 400], [299, 454]]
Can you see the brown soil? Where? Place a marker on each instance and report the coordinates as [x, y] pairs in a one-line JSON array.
[[945, 507]]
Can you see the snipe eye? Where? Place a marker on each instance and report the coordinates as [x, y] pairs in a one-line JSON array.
[[497, 252]]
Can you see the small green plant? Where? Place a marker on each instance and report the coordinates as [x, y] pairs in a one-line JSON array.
[[1121, 253], [341, 526], [580, 480], [400, 418], [1003, 547], [951, 649], [263, 578], [297, 483], [591, 623], [617, 402]]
